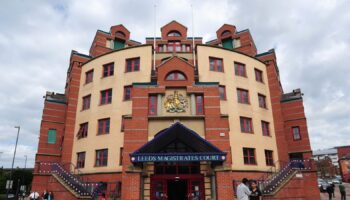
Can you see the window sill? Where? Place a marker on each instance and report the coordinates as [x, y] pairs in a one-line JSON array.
[[102, 133], [100, 166], [87, 83], [248, 104], [253, 164], [247, 132], [104, 104]]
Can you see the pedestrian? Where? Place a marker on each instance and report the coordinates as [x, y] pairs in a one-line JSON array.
[[342, 191], [50, 196], [34, 196], [103, 196], [256, 193], [243, 191], [330, 191], [45, 195]]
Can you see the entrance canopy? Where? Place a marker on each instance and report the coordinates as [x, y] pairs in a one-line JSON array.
[[177, 144]]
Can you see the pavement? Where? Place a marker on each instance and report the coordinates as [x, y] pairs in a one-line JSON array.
[[324, 195]]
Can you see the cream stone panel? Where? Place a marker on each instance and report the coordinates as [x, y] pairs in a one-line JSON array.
[[114, 140], [238, 140], [154, 126]]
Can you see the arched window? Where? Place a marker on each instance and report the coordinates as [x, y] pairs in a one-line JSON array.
[[175, 76], [120, 34], [174, 34], [227, 32]]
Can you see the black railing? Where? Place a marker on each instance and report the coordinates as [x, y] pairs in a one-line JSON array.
[[280, 172]]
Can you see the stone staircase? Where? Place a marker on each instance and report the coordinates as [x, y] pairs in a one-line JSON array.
[[72, 182], [271, 184]]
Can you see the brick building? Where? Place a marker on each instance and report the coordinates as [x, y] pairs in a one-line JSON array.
[[344, 162], [179, 120]]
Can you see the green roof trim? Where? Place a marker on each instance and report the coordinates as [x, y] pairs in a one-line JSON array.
[[207, 83], [145, 84]]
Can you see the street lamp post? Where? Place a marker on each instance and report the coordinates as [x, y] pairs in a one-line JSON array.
[[25, 162], [13, 160]]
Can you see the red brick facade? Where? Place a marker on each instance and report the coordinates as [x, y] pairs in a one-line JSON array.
[[288, 111]]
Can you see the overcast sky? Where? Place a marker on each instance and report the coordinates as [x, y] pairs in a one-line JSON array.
[[311, 39]]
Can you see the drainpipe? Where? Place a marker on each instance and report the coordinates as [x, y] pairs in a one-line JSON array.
[[213, 187], [142, 187]]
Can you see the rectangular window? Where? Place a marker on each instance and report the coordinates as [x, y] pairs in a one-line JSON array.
[[249, 156], [222, 91], [258, 75], [86, 102], [246, 125], [89, 76], [122, 126], [243, 96], [108, 70], [51, 136], [103, 126], [296, 133], [121, 156], [152, 105], [199, 105], [127, 93], [265, 128], [216, 64], [83, 130], [106, 97], [80, 160], [132, 64], [269, 157], [262, 101], [240, 69], [101, 157]]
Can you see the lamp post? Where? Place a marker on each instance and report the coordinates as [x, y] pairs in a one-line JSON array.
[[25, 162], [13, 160]]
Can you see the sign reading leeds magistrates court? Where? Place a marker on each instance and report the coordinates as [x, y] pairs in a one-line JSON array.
[[177, 158]]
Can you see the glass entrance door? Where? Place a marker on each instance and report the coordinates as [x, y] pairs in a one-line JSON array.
[[181, 187]]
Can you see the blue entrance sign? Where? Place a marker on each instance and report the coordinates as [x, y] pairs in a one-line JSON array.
[[178, 157]]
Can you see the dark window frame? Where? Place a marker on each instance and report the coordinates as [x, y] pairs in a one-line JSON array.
[[81, 156], [152, 105], [106, 96], [293, 133], [101, 160], [240, 96], [245, 126], [86, 102], [222, 92], [258, 75], [269, 158], [108, 70], [265, 126], [103, 126], [89, 76], [249, 156], [199, 104], [127, 93], [216, 67], [262, 101], [240, 69], [132, 64]]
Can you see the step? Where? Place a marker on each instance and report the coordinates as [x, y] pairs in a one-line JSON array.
[[64, 184]]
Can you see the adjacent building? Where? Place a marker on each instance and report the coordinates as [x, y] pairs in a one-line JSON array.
[[174, 118]]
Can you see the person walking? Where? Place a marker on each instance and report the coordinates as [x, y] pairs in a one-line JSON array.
[[256, 193], [243, 191], [342, 191], [330, 191], [50, 196], [45, 195]]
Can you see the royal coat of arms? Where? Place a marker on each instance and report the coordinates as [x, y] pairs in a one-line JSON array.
[[175, 103]]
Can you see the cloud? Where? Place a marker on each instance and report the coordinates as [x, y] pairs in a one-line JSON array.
[[310, 37]]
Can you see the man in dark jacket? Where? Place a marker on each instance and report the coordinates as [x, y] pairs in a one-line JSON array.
[[330, 191]]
